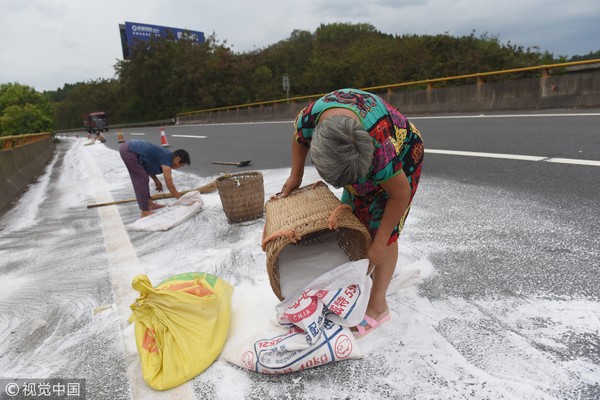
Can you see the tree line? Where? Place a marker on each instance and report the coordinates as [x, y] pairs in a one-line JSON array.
[[164, 77]]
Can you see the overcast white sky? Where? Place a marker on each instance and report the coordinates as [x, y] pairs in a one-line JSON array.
[[47, 43]]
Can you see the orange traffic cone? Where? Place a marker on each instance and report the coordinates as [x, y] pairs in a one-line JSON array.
[[163, 138], [120, 137]]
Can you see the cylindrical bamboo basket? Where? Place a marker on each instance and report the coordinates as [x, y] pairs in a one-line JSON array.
[[242, 195], [307, 216]]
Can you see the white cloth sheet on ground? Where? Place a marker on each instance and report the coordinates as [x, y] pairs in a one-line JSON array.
[[168, 217], [312, 327]]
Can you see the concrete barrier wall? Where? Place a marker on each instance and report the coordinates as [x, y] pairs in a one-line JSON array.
[[19, 165], [555, 92], [577, 90]]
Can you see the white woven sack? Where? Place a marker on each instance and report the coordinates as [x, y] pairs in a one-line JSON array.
[[166, 218], [306, 334]]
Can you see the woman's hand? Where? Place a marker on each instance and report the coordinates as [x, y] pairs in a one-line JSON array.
[[376, 254], [299, 153], [157, 183], [292, 182]]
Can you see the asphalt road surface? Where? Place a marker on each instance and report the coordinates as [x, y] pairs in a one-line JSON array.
[[490, 140], [504, 230], [506, 153]]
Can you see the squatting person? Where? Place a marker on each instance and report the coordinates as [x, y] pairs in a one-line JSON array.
[[145, 160]]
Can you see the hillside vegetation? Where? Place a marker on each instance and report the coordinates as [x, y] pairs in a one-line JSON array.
[[165, 77]]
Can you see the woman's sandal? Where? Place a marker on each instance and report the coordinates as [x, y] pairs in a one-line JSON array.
[[362, 330]]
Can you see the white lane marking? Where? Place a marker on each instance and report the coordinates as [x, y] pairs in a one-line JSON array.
[[137, 134], [123, 266], [190, 136], [507, 116], [488, 155], [573, 161]]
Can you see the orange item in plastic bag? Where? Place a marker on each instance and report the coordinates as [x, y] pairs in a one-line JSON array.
[[180, 326]]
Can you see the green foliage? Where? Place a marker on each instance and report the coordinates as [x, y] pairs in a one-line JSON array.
[[74, 102], [23, 110], [28, 118], [590, 56], [164, 77]]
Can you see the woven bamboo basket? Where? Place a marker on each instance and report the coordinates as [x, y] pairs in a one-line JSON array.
[[242, 195], [308, 216]]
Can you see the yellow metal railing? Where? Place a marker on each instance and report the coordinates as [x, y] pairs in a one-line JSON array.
[[9, 142], [545, 70]]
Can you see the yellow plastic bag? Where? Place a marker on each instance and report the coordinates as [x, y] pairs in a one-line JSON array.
[[180, 326]]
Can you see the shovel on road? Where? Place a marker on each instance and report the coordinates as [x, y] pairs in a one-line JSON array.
[[239, 164]]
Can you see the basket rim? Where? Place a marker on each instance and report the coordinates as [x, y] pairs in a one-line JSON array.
[[249, 174]]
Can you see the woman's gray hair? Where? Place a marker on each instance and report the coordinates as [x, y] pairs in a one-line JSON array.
[[341, 150]]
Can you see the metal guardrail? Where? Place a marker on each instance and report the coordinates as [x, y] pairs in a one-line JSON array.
[[10, 142], [479, 76], [160, 122]]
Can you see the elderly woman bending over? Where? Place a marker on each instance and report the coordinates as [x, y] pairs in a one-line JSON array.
[[361, 143]]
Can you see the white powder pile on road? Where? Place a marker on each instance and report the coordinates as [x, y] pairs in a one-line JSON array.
[[456, 333]]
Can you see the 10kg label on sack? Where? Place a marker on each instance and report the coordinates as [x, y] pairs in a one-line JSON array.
[[277, 355], [313, 325]]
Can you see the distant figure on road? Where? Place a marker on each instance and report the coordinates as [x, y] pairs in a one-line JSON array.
[[145, 160], [361, 143], [99, 137]]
